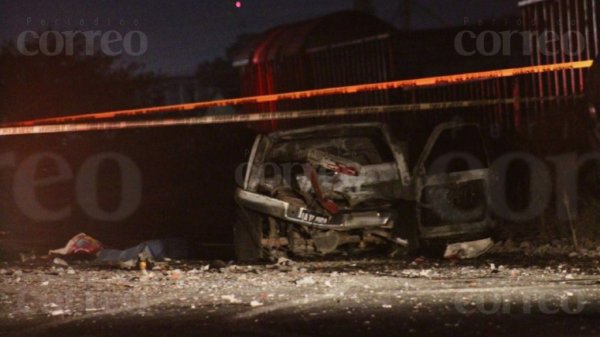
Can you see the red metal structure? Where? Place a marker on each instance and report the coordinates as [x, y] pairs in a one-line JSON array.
[[330, 52], [339, 49]]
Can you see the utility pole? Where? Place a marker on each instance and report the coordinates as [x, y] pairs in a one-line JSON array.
[[406, 14], [364, 6], [407, 10]]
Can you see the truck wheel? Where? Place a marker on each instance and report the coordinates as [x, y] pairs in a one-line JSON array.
[[433, 249], [247, 235], [406, 228]]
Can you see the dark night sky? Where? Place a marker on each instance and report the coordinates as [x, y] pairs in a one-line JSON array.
[[182, 33]]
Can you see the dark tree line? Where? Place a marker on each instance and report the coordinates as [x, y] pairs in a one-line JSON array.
[[40, 86]]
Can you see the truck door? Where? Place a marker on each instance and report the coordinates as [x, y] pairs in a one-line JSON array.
[[451, 184]]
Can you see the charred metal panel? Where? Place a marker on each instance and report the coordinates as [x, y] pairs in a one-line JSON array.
[[358, 197]]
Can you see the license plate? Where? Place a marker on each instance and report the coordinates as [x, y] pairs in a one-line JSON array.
[[309, 216]]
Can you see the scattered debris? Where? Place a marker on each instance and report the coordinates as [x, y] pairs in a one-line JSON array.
[[27, 256], [418, 260], [143, 264], [231, 298], [284, 262], [308, 280], [387, 285], [60, 262], [175, 274], [543, 248], [59, 312], [468, 250], [217, 265]]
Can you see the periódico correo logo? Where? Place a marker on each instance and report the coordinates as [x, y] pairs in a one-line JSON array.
[[110, 43]]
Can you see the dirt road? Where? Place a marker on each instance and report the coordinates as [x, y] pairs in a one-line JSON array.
[[497, 295]]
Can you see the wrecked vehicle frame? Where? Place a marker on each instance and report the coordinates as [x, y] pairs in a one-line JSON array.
[[311, 191]]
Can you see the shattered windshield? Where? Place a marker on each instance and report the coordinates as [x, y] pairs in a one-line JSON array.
[[363, 150]]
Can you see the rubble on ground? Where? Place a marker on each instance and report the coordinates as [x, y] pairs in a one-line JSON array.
[[541, 248], [44, 290]]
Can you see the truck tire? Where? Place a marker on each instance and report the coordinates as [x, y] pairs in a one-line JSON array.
[[247, 235], [407, 228], [433, 249]]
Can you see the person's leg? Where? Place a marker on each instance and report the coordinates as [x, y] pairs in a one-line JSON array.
[[116, 255]]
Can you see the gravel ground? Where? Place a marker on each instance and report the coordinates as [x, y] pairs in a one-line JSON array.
[[329, 297]]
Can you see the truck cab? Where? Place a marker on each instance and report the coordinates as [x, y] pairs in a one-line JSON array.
[[326, 189]]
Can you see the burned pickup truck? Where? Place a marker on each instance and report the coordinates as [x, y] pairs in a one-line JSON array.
[[337, 188]]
